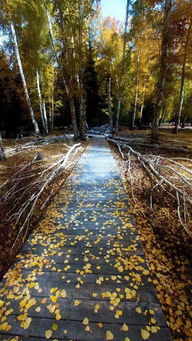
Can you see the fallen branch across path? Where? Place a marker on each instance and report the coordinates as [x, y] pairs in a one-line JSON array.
[[166, 175], [24, 191]]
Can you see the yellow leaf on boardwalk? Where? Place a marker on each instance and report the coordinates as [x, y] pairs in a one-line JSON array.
[[5, 327], [125, 328], [76, 302], [145, 334], [94, 294], [25, 324], [8, 312], [58, 316], [48, 334], [51, 308], [109, 335], [87, 329], [54, 327], [85, 321], [97, 307], [31, 303], [1, 303], [138, 310], [127, 339], [63, 293], [53, 290], [54, 299]]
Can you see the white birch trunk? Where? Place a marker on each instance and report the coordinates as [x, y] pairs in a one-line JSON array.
[[122, 67], [16, 47], [45, 117], [40, 100], [160, 87]]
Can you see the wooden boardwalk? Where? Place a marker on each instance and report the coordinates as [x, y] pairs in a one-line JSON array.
[[82, 275]]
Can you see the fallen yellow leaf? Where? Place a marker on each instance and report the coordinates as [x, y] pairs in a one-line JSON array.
[[145, 334], [138, 310], [109, 335], [54, 327], [76, 302], [1, 303], [63, 293], [48, 334], [85, 321], [125, 328], [25, 324]]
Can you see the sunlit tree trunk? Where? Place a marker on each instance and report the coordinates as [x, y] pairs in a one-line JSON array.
[[2, 154], [142, 106], [45, 117], [42, 106], [162, 73], [182, 88], [32, 116], [110, 105], [123, 65], [136, 92]]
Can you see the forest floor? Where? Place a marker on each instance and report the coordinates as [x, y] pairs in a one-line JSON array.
[[167, 247], [16, 159]]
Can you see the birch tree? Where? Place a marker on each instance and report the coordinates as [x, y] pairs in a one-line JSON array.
[[160, 87], [17, 53], [42, 106], [122, 69]]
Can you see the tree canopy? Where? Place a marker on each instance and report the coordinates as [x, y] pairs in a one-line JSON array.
[[64, 64]]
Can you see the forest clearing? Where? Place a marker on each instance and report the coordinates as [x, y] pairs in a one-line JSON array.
[[96, 170]]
